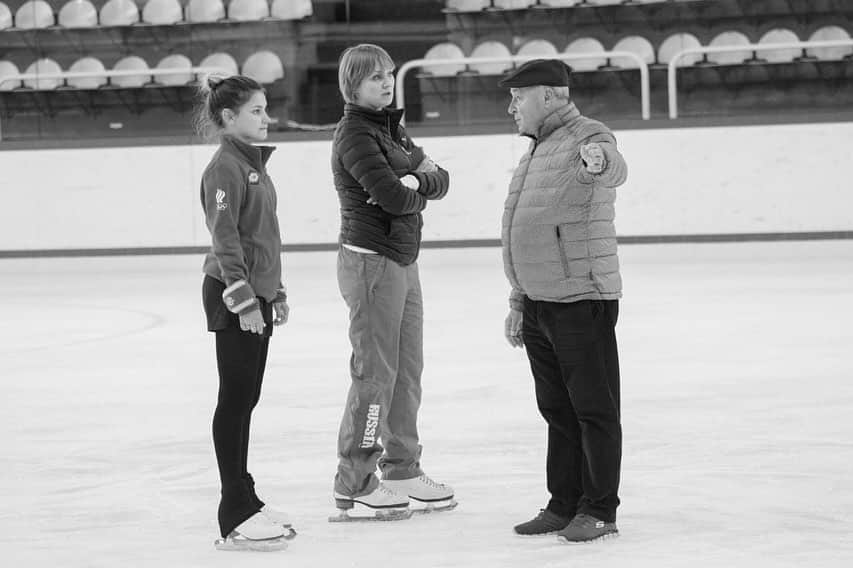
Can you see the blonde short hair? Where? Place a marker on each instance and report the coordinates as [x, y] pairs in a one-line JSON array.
[[356, 64]]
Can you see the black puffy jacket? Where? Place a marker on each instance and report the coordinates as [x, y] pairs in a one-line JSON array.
[[370, 153]]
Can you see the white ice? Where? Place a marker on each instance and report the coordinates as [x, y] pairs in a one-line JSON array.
[[737, 374]]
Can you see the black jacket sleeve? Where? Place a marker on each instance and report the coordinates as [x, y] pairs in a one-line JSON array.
[[362, 157]]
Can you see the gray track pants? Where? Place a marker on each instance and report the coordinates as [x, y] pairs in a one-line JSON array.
[[386, 332]]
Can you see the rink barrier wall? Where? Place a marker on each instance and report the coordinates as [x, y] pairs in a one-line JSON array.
[[462, 243], [700, 184]]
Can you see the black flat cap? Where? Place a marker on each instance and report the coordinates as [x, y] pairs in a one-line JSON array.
[[548, 72]]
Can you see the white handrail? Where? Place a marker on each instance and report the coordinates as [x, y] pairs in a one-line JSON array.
[[106, 73], [671, 81], [644, 69]]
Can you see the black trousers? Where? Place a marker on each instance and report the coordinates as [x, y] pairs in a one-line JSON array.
[[575, 363], [241, 359]]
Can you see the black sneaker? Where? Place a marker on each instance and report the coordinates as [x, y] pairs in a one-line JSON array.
[[585, 528], [545, 522]]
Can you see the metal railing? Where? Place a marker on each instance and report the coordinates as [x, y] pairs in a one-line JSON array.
[[644, 69], [106, 74], [672, 77]]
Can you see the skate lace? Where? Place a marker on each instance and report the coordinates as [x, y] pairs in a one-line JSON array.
[[431, 482]]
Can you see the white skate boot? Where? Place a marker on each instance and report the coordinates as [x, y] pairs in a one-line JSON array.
[[382, 504], [426, 494], [280, 518], [255, 533]]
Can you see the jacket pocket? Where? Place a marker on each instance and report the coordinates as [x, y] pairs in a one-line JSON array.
[[561, 252]]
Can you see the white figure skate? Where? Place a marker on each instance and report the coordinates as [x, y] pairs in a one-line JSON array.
[[280, 518], [426, 495], [256, 533], [380, 505]]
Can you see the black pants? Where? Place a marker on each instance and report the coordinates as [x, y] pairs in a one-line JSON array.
[[241, 359], [575, 364]]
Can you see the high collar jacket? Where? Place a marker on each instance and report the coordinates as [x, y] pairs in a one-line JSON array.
[[558, 233], [370, 153], [239, 202]]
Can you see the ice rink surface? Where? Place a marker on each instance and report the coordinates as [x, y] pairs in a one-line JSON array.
[[737, 377]]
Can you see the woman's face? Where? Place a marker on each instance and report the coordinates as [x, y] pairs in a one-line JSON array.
[[251, 120], [376, 91]]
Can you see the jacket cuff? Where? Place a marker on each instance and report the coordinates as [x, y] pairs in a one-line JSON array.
[[516, 301], [281, 294], [430, 188], [239, 298]]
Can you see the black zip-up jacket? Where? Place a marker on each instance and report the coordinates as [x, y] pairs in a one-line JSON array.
[[370, 153]]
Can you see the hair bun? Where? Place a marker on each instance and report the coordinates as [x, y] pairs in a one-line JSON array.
[[214, 80]]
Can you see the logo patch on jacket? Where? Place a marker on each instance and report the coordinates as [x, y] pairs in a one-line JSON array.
[[254, 177], [220, 200]]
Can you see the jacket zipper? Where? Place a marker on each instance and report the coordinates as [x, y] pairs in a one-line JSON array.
[[562, 252]]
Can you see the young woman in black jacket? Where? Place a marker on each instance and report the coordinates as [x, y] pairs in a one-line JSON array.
[[383, 181]]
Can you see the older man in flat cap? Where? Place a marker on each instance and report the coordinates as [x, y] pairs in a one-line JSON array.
[[559, 250]]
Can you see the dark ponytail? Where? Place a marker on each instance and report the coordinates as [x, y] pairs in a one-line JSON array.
[[220, 92]]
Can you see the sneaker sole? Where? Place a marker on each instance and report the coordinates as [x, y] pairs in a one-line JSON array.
[[605, 536], [536, 535]]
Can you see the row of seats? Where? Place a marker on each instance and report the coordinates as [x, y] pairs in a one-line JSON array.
[[480, 5], [37, 14], [263, 66], [644, 49]]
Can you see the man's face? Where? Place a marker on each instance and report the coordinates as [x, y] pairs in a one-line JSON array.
[[528, 107]]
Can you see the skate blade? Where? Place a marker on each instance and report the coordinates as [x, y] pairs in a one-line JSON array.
[[607, 536], [242, 543], [362, 513], [424, 507], [290, 533]]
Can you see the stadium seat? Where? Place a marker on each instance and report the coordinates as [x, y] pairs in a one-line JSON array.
[[635, 44], [291, 9], [248, 10], [490, 49], [467, 5], [162, 12], [87, 65], [43, 66], [678, 42], [221, 61], [586, 45], [131, 63], [830, 33], [34, 14], [538, 48], [119, 13], [730, 39], [78, 14], [5, 17], [205, 11], [8, 68], [175, 61], [441, 51], [264, 67], [513, 4], [779, 35]]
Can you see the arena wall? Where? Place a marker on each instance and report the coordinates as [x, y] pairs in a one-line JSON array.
[[688, 181]]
